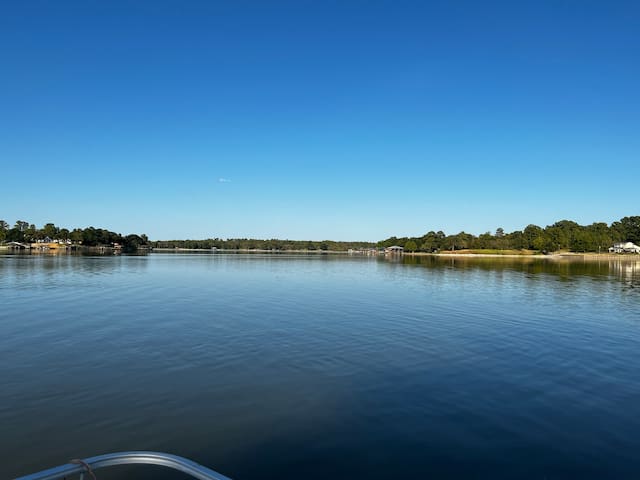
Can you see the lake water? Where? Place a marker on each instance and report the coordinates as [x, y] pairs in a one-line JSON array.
[[319, 366]]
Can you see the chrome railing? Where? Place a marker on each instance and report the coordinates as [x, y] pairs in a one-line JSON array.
[[88, 465]]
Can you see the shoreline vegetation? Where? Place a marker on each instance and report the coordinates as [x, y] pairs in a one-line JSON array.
[[461, 254], [560, 237], [563, 239], [26, 236], [453, 255]]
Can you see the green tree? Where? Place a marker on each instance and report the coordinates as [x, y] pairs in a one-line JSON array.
[[410, 246], [76, 235], [89, 237], [4, 227], [532, 236], [484, 241], [14, 235], [30, 233], [21, 225], [516, 240], [458, 242], [561, 234], [600, 237], [628, 229], [50, 230], [130, 243], [430, 242]]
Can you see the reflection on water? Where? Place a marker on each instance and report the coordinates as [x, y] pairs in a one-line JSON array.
[[289, 366], [627, 271], [562, 267]]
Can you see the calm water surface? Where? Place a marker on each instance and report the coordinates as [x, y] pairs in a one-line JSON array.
[[280, 366]]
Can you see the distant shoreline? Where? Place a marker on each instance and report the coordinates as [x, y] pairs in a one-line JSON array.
[[462, 254], [244, 250], [590, 256], [550, 256]]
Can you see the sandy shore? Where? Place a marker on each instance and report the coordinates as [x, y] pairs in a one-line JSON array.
[[551, 256]]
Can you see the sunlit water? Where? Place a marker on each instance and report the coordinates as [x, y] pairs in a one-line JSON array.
[[282, 366]]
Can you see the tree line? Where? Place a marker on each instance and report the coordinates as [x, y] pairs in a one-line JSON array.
[[563, 235], [25, 232], [255, 244]]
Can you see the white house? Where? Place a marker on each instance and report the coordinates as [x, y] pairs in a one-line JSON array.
[[624, 247]]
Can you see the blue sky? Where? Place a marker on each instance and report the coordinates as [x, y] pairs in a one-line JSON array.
[[318, 120]]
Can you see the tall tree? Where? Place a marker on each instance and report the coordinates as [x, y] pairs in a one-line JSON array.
[[532, 236], [50, 230], [21, 225], [628, 229], [4, 227]]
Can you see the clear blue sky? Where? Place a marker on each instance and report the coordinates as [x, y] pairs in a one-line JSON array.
[[345, 120]]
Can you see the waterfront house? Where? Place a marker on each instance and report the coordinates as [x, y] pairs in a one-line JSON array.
[[394, 249], [48, 243], [624, 247]]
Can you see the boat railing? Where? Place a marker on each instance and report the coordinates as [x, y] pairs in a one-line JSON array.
[[89, 465]]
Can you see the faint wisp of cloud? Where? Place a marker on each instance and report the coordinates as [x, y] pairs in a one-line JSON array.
[[224, 180]]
